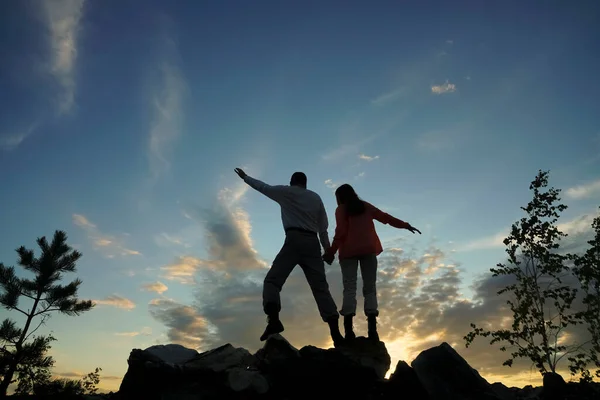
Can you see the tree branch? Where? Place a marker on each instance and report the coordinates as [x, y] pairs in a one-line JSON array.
[[26, 295], [38, 327], [45, 310], [21, 311]]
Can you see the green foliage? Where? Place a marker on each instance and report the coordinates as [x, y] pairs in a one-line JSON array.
[[587, 271], [21, 354], [540, 301]]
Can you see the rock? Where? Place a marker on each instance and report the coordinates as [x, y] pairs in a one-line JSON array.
[[368, 353], [241, 379], [553, 386], [503, 391], [276, 350], [220, 359], [279, 371], [405, 380], [172, 354], [447, 376]]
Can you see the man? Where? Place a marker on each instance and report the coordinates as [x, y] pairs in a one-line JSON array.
[[304, 217]]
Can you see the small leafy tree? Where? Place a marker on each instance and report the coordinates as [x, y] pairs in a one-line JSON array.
[[540, 301], [587, 270], [47, 296], [91, 381]]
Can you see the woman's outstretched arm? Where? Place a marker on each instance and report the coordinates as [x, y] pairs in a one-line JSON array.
[[386, 218]]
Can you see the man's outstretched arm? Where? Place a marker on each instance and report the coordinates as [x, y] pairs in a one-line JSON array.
[[273, 192]]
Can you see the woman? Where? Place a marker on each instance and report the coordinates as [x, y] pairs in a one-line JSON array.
[[358, 243]]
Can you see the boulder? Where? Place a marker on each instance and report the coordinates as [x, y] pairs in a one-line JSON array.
[[504, 392], [405, 380], [276, 350], [220, 359], [367, 353], [172, 371], [447, 376], [554, 386]]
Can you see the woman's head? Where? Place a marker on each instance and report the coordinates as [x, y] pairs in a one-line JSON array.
[[346, 195]]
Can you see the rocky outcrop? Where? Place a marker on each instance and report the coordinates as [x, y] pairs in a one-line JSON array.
[[280, 371], [446, 375]]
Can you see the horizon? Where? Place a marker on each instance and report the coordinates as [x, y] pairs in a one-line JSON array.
[[123, 125]]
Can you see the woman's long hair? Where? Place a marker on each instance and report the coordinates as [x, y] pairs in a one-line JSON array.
[[346, 195]]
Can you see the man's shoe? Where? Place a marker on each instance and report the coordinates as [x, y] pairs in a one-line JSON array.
[[274, 326], [372, 327], [334, 329], [348, 328]]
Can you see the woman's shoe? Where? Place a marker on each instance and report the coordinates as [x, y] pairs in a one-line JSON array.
[[372, 327], [348, 329]]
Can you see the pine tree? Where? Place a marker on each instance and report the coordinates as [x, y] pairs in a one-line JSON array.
[[20, 355]]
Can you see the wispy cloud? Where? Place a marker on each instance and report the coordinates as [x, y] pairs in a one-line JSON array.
[[331, 184], [359, 175], [167, 118], [349, 148], [450, 41], [156, 287], [489, 242], [167, 107], [437, 140], [107, 244], [183, 269], [116, 301], [365, 157], [146, 331], [446, 87], [584, 191], [578, 225], [388, 97], [12, 141], [63, 18]]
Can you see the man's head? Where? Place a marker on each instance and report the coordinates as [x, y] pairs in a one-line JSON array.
[[298, 179]]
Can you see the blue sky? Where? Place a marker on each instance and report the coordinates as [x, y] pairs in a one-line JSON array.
[[122, 124]]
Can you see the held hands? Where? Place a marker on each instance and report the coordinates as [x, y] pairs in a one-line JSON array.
[[240, 173], [328, 258], [413, 229]]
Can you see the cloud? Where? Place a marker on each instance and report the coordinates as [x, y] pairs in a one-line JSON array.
[[167, 106], [365, 157], [449, 41], [331, 184], [107, 244], [359, 175], [388, 97], [12, 141], [63, 19], [446, 87], [156, 287], [146, 331], [186, 326], [183, 269], [437, 140], [349, 148], [579, 225], [488, 242], [584, 191], [116, 301]]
